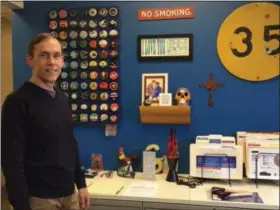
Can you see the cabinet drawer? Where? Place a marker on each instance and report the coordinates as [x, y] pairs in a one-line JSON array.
[[107, 204], [164, 206]]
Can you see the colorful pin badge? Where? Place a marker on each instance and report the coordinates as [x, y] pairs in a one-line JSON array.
[[74, 96], [93, 34], [92, 12], [104, 107], [73, 24], [113, 53], [114, 86], [84, 95], [103, 34], [113, 75], [103, 54], [83, 34], [52, 14], [113, 23], [84, 85], [93, 96], [74, 107], [103, 117], [93, 117], [74, 54], [64, 45], [93, 107], [74, 74], [53, 25], [84, 54], [73, 44], [62, 13], [114, 107], [103, 75], [74, 117], [84, 64], [73, 13], [114, 95], [74, 85], [83, 75], [93, 54], [113, 11], [62, 35], [93, 85], [64, 85], [92, 24], [113, 118], [83, 43], [103, 43], [114, 65], [93, 75], [113, 33], [103, 85], [103, 23], [83, 24], [83, 107], [92, 64], [103, 12], [83, 117], [113, 44], [54, 34], [63, 24], [104, 96], [92, 43], [103, 64], [73, 34], [64, 75]]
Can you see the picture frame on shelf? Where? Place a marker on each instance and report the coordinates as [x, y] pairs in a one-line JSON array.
[[152, 85], [165, 47], [165, 99]]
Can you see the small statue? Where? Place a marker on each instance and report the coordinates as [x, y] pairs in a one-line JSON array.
[[126, 162], [183, 96]]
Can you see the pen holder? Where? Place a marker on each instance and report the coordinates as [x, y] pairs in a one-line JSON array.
[[172, 175]]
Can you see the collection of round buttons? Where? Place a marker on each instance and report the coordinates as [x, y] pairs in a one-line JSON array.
[[90, 42]]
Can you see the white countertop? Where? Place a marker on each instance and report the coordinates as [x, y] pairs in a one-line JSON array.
[[168, 192]]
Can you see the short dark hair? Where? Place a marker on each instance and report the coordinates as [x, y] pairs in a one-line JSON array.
[[38, 39]]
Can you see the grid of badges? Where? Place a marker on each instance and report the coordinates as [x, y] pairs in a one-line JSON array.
[[90, 75]]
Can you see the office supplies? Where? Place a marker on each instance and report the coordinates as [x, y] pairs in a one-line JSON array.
[[216, 161], [119, 190]]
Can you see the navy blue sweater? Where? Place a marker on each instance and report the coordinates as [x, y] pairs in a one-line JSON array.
[[39, 151]]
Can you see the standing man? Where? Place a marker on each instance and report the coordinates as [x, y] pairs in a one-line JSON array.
[[40, 158]]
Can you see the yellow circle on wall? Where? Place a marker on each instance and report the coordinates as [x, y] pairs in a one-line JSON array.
[[248, 42]]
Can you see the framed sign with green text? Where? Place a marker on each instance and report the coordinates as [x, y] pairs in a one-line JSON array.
[[165, 47]]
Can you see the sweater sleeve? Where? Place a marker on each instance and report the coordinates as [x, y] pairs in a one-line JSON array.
[[79, 174], [13, 146]]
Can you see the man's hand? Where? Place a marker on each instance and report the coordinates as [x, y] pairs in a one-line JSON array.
[[83, 198]]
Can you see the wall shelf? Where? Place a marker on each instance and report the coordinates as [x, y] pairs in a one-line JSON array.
[[165, 114]]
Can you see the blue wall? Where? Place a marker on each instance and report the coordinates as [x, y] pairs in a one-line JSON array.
[[240, 105]]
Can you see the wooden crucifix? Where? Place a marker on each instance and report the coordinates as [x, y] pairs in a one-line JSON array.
[[211, 85]]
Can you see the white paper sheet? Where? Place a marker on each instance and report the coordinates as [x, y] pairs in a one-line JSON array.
[[141, 189]]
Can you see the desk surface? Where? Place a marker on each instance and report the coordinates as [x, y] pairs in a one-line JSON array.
[[106, 188]]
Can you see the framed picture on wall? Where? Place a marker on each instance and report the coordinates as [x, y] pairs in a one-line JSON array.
[[165, 47], [152, 86]]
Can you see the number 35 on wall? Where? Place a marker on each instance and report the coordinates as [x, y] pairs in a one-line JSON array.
[[248, 42]]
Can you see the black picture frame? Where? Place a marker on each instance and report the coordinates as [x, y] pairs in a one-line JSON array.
[[143, 41]]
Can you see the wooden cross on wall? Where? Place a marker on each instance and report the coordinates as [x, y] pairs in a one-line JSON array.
[[211, 85]]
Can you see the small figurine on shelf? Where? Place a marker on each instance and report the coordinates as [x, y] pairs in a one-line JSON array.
[[172, 156], [125, 164], [183, 96]]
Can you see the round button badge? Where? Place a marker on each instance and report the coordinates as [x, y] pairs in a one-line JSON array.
[[92, 12], [62, 35], [93, 54], [103, 12], [62, 13], [113, 86], [113, 75], [93, 34], [53, 25], [93, 107], [104, 96], [84, 85], [64, 75], [113, 118], [93, 75], [93, 96], [113, 11], [73, 24], [103, 43], [114, 107], [52, 14], [93, 117], [92, 24], [93, 85]]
